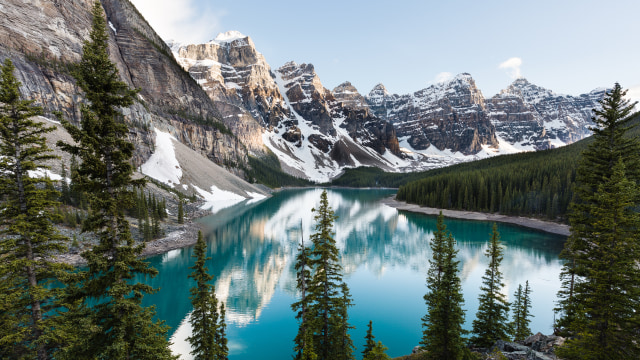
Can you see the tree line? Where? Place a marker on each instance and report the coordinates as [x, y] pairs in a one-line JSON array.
[[48, 310]]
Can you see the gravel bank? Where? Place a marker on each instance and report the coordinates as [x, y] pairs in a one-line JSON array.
[[547, 226]]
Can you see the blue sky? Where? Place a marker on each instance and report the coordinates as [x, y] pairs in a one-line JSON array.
[[570, 47]]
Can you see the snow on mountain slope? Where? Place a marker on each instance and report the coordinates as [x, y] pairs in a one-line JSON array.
[[176, 165]]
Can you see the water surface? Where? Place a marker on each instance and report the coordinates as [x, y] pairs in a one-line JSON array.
[[385, 257]]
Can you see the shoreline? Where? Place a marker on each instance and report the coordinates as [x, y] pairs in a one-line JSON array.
[[546, 226], [186, 235]]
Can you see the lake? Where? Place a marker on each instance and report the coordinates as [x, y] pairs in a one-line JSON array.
[[384, 254]]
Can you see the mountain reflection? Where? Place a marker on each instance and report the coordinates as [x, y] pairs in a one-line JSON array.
[[253, 249]]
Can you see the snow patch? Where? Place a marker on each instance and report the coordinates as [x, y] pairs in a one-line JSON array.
[[41, 173], [229, 36], [49, 120], [218, 199], [163, 165], [113, 28]]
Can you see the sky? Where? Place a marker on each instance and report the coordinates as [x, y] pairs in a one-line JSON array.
[[570, 47]]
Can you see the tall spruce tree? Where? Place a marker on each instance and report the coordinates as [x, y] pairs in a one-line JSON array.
[[606, 303], [442, 334], [301, 307], [123, 328], [208, 334], [330, 298], [369, 343], [377, 353], [521, 312], [28, 238], [599, 298], [491, 324]]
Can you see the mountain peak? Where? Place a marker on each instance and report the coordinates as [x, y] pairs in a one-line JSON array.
[[379, 89], [229, 36]]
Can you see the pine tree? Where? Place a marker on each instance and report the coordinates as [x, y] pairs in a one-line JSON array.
[[377, 353], [122, 327], [599, 299], [301, 307], [180, 212], [207, 339], [308, 352], [442, 334], [521, 313], [29, 238], [340, 327], [330, 295], [221, 334], [490, 324], [65, 193], [369, 343], [606, 302]]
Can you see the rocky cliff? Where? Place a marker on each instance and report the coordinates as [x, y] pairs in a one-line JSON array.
[[455, 116], [43, 38], [449, 116], [288, 110], [530, 115]]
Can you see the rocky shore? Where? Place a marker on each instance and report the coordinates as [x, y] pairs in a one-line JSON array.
[[547, 226], [535, 347]]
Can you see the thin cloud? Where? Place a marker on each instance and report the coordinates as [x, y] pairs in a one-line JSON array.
[[181, 20], [512, 66], [443, 77]]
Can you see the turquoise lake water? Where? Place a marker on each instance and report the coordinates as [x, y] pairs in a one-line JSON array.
[[385, 256]]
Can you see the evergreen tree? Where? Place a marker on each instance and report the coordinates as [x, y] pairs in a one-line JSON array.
[[606, 303], [221, 334], [378, 353], [369, 343], [442, 334], [65, 193], [330, 296], [180, 212], [521, 313], [29, 238], [307, 352], [303, 275], [122, 327], [340, 327], [491, 324], [599, 299], [206, 340]]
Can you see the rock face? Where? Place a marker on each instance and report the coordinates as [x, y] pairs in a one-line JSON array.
[[448, 115], [239, 81], [288, 110], [456, 116], [530, 115], [349, 96], [535, 347], [44, 37]]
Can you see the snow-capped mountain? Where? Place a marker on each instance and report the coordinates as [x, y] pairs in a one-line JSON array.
[[289, 111], [536, 117], [316, 133], [449, 116], [455, 116]]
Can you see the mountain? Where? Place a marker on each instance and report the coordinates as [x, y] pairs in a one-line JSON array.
[[454, 115], [45, 38], [536, 118], [287, 111], [448, 115]]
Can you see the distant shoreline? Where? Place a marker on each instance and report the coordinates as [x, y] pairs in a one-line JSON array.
[[546, 226]]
